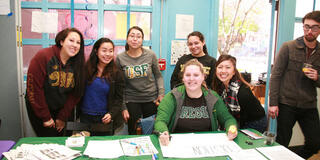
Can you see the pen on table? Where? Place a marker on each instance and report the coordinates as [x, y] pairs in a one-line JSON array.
[[154, 156]]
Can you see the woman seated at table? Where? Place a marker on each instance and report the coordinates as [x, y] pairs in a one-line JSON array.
[[191, 107], [237, 95]]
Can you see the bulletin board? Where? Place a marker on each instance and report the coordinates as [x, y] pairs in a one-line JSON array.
[[178, 49]]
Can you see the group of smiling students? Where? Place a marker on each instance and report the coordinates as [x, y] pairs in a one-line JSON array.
[[206, 95]]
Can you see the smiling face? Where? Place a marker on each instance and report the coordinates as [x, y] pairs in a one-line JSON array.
[[311, 30], [225, 71], [105, 53], [196, 46], [71, 45], [193, 78], [135, 39]]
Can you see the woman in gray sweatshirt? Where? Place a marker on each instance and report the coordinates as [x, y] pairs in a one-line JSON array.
[[144, 87]]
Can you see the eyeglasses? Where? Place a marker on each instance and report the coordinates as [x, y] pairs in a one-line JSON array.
[[314, 28]]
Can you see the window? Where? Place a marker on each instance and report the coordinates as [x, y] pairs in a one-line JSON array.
[[244, 28], [305, 6], [112, 23]]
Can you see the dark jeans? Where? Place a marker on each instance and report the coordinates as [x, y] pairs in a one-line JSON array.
[[139, 110], [259, 125], [308, 120], [86, 118], [37, 123]]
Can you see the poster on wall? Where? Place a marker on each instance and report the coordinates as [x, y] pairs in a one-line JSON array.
[[184, 25], [178, 49], [44, 22], [4, 7]]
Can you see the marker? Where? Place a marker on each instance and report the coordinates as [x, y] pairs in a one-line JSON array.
[[137, 150], [155, 156], [141, 149], [129, 142]]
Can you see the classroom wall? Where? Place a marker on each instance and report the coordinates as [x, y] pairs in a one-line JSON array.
[[9, 96], [205, 21]]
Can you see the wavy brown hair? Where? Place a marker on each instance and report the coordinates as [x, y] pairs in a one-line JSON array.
[[77, 61], [217, 85], [201, 37]]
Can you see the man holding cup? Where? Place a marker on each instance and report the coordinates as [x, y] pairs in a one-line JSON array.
[[293, 94]]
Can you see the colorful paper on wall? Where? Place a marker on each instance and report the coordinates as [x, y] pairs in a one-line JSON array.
[[178, 49], [121, 23]]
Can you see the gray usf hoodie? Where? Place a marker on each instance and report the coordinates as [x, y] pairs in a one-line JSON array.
[[143, 79]]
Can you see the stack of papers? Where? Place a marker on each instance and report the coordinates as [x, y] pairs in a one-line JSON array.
[[247, 154], [199, 145], [278, 152], [42, 151], [116, 148]]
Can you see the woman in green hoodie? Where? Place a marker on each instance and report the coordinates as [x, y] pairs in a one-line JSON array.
[[192, 107]]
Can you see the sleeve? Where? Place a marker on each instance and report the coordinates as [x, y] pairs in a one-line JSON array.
[[165, 112], [117, 98], [123, 107], [157, 74], [224, 116], [249, 104], [35, 86], [317, 82], [175, 79], [278, 70], [65, 112]]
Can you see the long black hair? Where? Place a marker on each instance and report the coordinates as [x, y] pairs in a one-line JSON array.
[[137, 28], [217, 85], [77, 61], [91, 67], [201, 37]]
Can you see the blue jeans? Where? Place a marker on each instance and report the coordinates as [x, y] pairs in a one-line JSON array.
[[259, 125], [137, 111], [308, 120]]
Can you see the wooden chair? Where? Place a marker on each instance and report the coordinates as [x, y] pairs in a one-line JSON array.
[[91, 127]]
